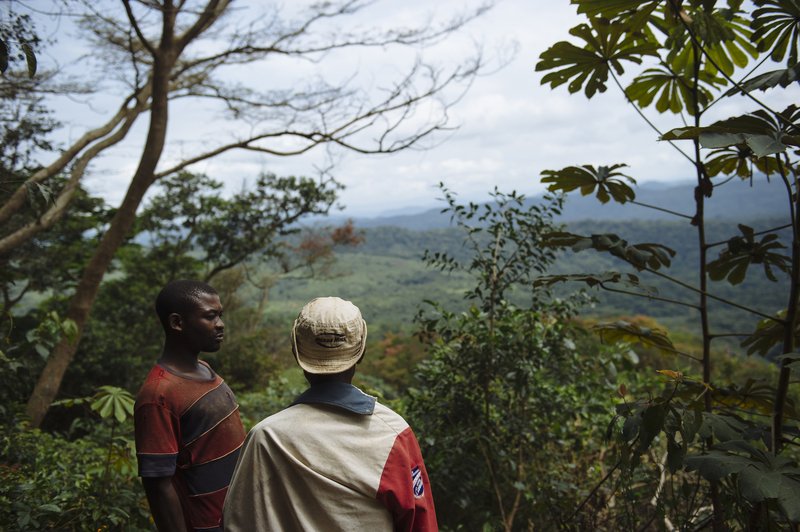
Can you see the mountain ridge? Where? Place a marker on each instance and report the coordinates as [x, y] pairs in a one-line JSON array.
[[735, 200]]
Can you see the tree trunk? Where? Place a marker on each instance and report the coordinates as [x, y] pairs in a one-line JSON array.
[[81, 303], [790, 324]]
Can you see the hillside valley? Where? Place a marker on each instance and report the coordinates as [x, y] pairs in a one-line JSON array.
[[389, 281]]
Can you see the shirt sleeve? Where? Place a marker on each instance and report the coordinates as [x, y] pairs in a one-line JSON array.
[[405, 489], [157, 431]]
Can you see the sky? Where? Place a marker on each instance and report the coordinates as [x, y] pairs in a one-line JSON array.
[[509, 127]]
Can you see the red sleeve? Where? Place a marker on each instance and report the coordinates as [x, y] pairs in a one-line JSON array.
[[405, 489], [157, 432]]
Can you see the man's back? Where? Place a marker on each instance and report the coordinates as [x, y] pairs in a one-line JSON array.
[[335, 459], [328, 467]]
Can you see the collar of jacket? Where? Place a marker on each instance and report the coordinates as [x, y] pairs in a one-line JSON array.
[[338, 394]]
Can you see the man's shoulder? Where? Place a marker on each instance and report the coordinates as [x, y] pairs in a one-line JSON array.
[[392, 419], [159, 387], [153, 380], [278, 422], [289, 415]]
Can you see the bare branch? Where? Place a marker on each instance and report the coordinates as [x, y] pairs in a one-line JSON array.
[[210, 14], [136, 28], [331, 109], [62, 202], [17, 200]]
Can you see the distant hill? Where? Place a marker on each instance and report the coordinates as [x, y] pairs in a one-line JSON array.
[[735, 200], [386, 277]]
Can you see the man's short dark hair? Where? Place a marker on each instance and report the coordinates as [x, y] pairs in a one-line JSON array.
[[179, 297]]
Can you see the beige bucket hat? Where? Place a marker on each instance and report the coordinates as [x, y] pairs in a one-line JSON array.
[[328, 336]]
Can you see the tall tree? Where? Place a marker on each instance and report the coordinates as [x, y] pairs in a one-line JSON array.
[[178, 50], [187, 230], [691, 52]]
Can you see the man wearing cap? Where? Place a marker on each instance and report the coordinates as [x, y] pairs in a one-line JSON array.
[[336, 459]]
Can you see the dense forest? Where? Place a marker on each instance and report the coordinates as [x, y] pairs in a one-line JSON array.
[[385, 272], [561, 373]]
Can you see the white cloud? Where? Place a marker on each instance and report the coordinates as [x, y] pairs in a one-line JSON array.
[[511, 127]]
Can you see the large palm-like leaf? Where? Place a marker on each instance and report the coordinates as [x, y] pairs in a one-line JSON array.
[[113, 401], [768, 334], [674, 90], [623, 280], [768, 80], [744, 251], [738, 159], [608, 44], [624, 331], [611, 8], [641, 256], [760, 475], [776, 25], [760, 131], [725, 37], [606, 180]]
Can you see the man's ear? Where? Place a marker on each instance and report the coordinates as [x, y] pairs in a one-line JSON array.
[[175, 322]]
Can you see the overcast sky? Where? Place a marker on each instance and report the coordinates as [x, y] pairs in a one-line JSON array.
[[510, 127]]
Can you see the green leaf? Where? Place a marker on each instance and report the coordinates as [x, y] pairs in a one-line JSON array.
[[605, 180], [653, 418], [608, 8], [743, 251], [754, 395], [768, 80], [757, 486], [727, 42], [690, 424], [715, 465], [640, 256], [606, 45], [631, 427], [675, 454], [760, 131], [725, 428], [776, 29], [70, 329], [768, 333], [739, 159], [671, 91], [595, 279], [623, 331], [42, 350], [113, 401]]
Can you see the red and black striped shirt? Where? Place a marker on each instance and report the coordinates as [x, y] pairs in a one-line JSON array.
[[190, 430]]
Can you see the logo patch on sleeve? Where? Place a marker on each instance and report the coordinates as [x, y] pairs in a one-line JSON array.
[[416, 482]]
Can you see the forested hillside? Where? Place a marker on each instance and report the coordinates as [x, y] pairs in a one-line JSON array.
[[386, 276]]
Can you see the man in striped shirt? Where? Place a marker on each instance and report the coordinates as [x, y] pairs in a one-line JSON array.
[[336, 459], [187, 426]]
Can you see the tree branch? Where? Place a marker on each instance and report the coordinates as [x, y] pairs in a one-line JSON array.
[[137, 29], [62, 202], [17, 200], [712, 296], [210, 14]]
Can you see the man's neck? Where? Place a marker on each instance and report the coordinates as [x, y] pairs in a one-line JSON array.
[[183, 361], [345, 376]]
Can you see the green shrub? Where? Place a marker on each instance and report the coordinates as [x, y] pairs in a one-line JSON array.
[[48, 482]]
